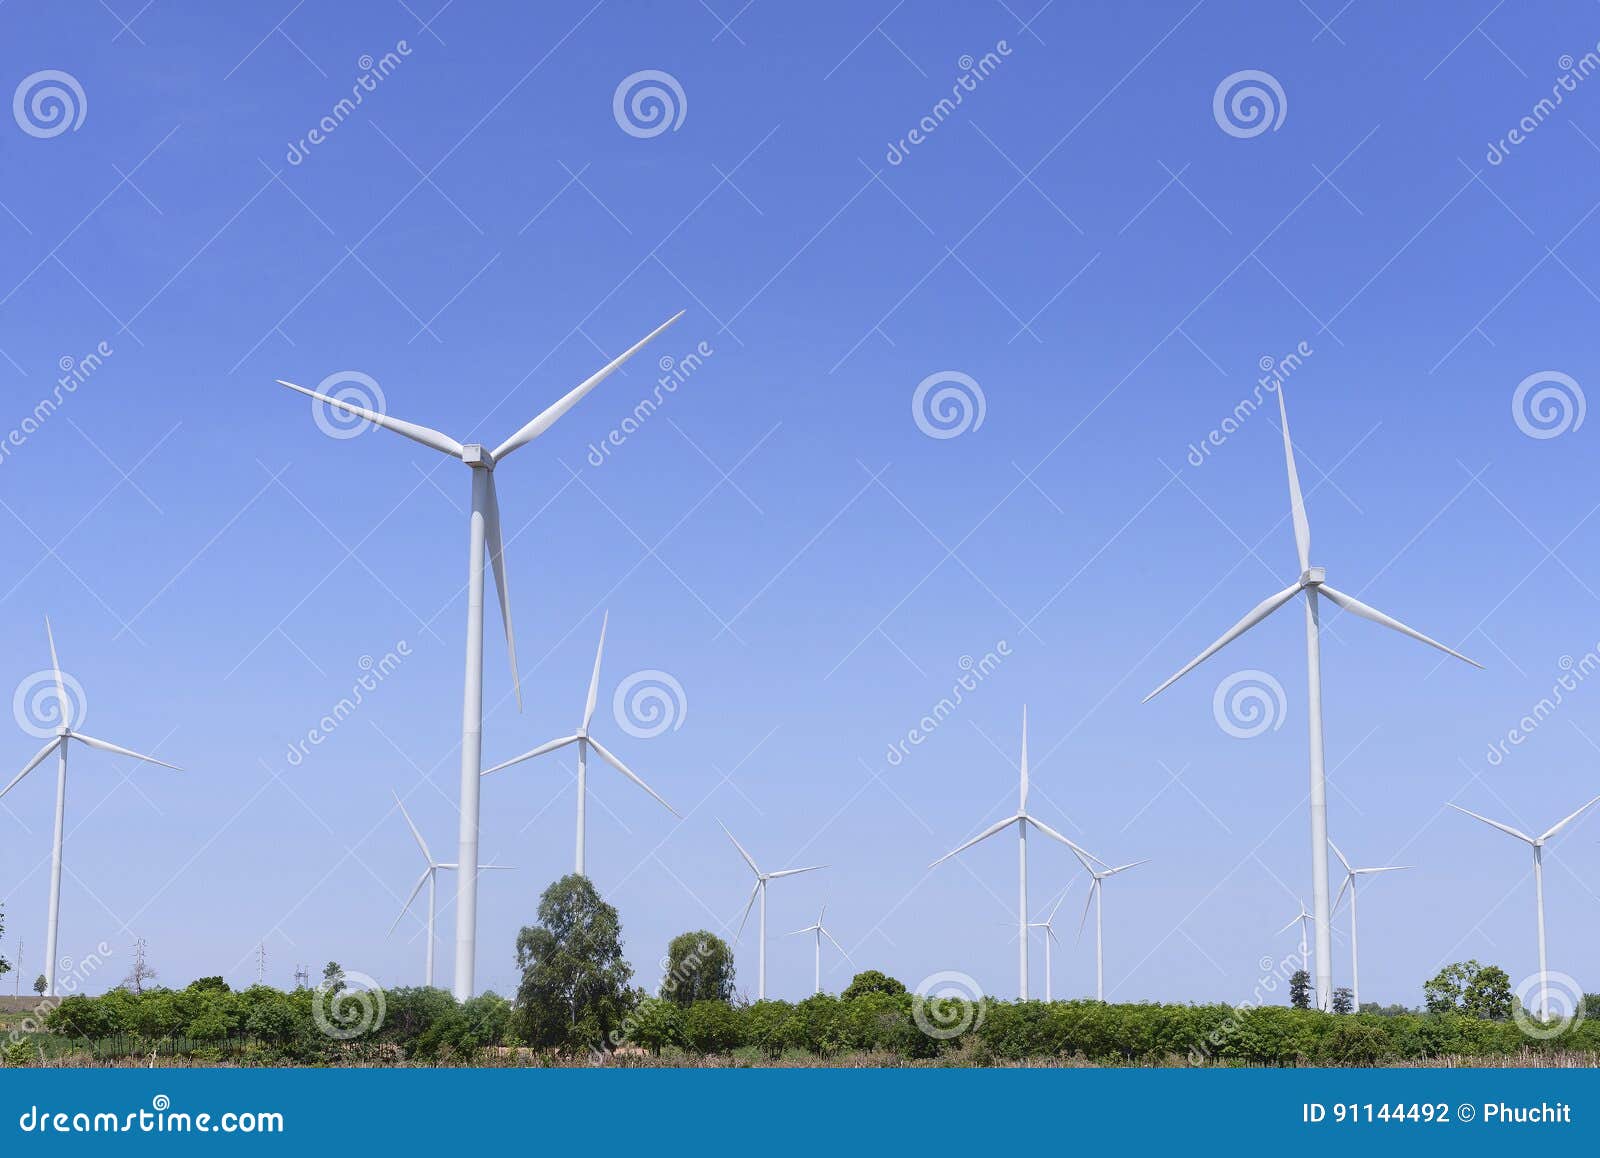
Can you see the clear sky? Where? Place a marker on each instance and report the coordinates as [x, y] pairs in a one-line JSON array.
[[1081, 236]]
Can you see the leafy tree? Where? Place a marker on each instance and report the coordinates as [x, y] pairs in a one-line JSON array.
[[655, 1022], [208, 985], [574, 991], [1444, 993], [40, 985], [699, 968], [1342, 1001], [712, 1027], [1488, 995], [871, 981], [1300, 989], [332, 977]]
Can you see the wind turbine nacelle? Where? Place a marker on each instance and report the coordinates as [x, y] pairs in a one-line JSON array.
[[475, 455], [1314, 576]]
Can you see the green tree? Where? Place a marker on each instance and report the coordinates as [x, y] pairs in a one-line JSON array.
[[40, 985], [574, 991], [1300, 989], [1342, 1001], [1444, 993], [699, 968], [208, 985], [332, 977], [871, 981], [655, 1022], [1488, 995]]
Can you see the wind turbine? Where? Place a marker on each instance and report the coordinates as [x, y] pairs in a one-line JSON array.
[[761, 891], [1049, 936], [1312, 582], [1021, 819], [64, 735], [1538, 843], [429, 878], [1097, 880], [1301, 919], [821, 931], [483, 530], [1350, 875], [585, 741]]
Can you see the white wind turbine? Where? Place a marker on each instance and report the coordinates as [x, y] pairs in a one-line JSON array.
[[1049, 938], [64, 735], [483, 531], [585, 741], [1350, 875], [429, 878], [760, 890], [1301, 920], [1097, 880], [1538, 843], [1313, 583], [1021, 819], [821, 931]]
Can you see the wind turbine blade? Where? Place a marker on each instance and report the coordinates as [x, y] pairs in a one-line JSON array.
[[427, 436], [606, 755], [1023, 806], [748, 859], [836, 944], [1297, 502], [1256, 614], [1339, 896], [1054, 835], [594, 680], [1052, 914], [1562, 824], [55, 665], [1340, 855], [105, 746], [747, 907], [1125, 867], [497, 561], [1087, 901], [984, 835], [548, 746], [1388, 868], [1292, 923], [1051, 933], [405, 908], [31, 765], [1356, 607], [795, 872], [552, 413], [422, 844], [1506, 828], [797, 932]]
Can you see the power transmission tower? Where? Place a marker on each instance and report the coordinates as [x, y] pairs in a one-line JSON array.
[[302, 977], [261, 963]]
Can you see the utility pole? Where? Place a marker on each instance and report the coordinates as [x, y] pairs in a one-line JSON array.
[[261, 963]]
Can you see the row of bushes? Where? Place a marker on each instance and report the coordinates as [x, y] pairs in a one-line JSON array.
[[424, 1025]]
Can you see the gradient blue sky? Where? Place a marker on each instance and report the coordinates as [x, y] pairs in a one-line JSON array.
[[1080, 237]]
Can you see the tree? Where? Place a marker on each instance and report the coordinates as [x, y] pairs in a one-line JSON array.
[[141, 972], [1300, 989], [1443, 994], [574, 991], [1488, 995], [871, 981], [40, 985], [699, 968], [332, 977], [1342, 1000], [209, 985]]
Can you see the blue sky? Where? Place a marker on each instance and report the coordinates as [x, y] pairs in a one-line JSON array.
[[1080, 237]]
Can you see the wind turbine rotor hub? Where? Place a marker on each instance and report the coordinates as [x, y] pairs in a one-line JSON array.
[[478, 457], [63, 731], [1314, 576]]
